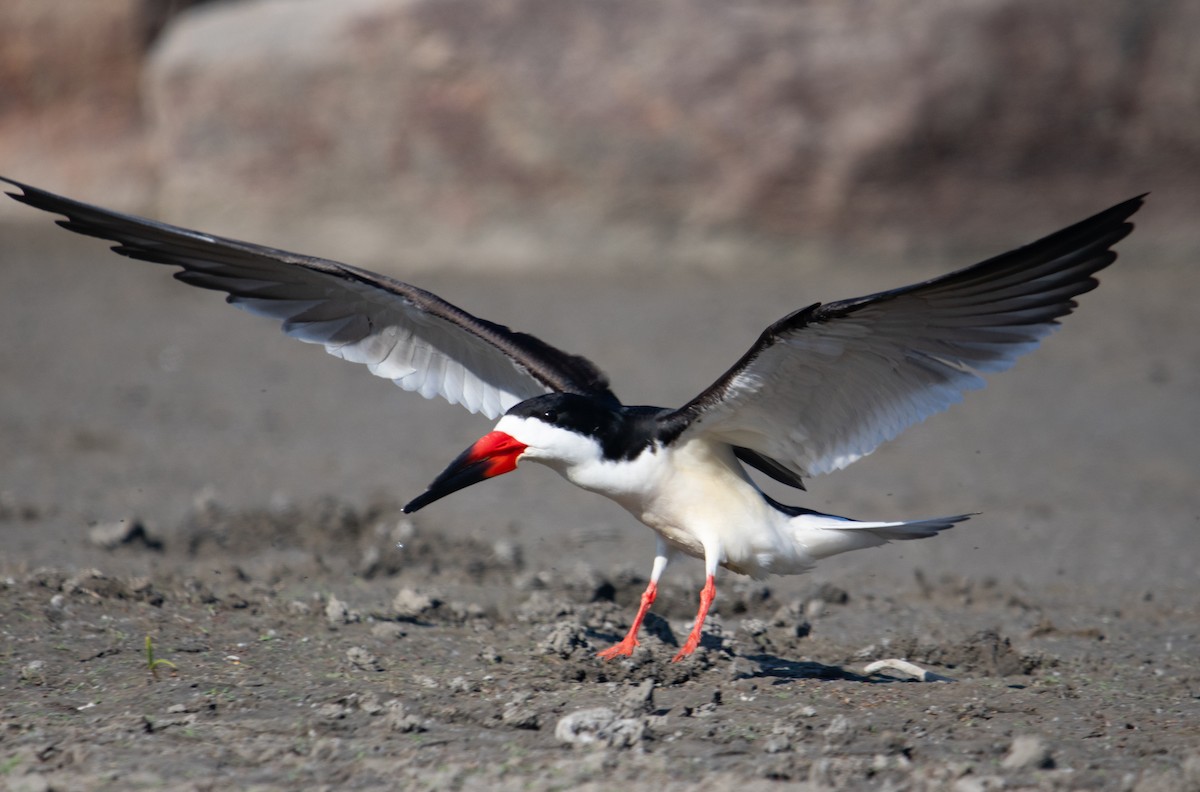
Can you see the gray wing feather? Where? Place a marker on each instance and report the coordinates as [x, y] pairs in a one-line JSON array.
[[828, 384], [402, 333]]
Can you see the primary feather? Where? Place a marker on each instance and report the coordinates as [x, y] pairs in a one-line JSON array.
[[827, 384], [400, 332]]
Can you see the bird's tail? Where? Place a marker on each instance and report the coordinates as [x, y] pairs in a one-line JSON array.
[[824, 535]]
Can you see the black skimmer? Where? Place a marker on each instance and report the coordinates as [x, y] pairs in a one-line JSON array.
[[820, 388]]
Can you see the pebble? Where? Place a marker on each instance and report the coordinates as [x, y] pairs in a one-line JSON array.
[[1028, 752], [753, 627], [399, 719], [411, 604], [363, 659], [520, 714], [369, 703], [637, 700], [298, 608], [777, 744], [840, 731], [34, 672], [336, 612], [508, 553], [564, 638], [110, 536], [86, 580], [599, 727]]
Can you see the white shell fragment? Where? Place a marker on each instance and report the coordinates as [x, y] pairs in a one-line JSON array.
[[903, 666]]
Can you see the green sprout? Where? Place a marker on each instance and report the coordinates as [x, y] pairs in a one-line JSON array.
[[153, 663]]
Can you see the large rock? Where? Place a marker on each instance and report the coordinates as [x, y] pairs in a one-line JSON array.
[[70, 101], [533, 132], [554, 132]]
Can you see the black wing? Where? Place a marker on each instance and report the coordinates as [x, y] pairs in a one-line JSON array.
[[402, 333], [828, 384]]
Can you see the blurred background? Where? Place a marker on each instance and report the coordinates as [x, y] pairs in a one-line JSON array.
[[557, 165], [517, 133]]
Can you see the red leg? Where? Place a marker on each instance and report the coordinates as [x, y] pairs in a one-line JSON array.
[[627, 644], [707, 595]]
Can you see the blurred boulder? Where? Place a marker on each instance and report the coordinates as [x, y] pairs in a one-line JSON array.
[[541, 133], [70, 96]]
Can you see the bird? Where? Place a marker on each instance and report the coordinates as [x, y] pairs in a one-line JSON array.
[[819, 389]]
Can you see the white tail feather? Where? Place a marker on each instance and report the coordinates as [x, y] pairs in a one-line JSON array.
[[824, 535]]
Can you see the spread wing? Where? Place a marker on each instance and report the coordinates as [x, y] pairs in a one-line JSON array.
[[828, 384], [402, 333]]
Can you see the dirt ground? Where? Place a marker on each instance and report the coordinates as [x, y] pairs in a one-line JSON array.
[[178, 472]]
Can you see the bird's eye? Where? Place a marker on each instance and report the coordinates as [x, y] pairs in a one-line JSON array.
[[550, 415]]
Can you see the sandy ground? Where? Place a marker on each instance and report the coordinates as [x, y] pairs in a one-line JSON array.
[[310, 652]]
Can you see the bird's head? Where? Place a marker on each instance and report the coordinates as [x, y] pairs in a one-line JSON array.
[[560, 430]]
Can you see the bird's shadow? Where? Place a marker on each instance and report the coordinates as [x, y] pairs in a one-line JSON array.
[[783, 671], [766, 666]]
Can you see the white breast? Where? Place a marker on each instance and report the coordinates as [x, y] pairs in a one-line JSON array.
[[697, 496]]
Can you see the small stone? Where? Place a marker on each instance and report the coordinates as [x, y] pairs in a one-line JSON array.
[[519, 714], [34, 672], [412, 604], [298, 608], [600, 727], [791, 617], [363, 659], [77, 582], [563, 639], [466, 611], [638, 700], [336, 612], [508, 553], [840, 731], [827, 592], [369, 703], [110, 536], [399, 719], [1028, 752], [47, 577], [777, 744], [370, 563], [753, 627], [522, 718], [333, 711]]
